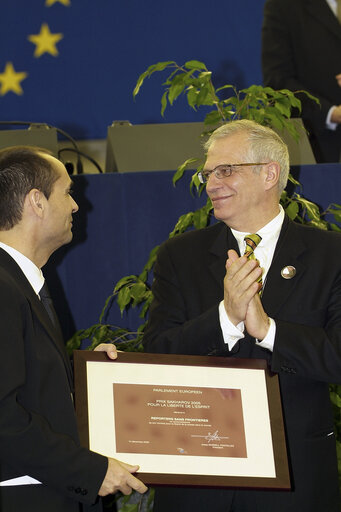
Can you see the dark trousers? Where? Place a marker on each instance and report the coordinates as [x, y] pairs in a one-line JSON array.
[[224, 500], [35, 498]]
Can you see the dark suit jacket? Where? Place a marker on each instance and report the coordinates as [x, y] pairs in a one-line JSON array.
[[38, 431], [301, 50], [184, 319]]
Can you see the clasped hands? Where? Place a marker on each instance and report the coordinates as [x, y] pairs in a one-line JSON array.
[[241, 298]]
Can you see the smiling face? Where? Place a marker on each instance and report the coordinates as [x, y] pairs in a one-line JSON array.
[[60, 206], [242, 200]]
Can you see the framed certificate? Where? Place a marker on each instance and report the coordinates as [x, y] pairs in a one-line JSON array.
[[185, 420]]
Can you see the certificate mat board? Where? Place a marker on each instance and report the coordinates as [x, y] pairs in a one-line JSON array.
[[221, 416]]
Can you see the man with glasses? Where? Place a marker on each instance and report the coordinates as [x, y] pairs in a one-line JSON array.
[[280, 302]]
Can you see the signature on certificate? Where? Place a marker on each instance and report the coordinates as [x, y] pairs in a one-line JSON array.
[[212, 438]]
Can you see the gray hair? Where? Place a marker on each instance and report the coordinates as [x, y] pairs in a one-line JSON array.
[[264, 145]]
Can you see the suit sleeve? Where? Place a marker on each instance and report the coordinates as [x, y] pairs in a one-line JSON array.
[[28, 443], [279, 59], [174, 324], [308, 332]]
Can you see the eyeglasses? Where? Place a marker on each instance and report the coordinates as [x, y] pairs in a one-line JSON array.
[[222, 171]]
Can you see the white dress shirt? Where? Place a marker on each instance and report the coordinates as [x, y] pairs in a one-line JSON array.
[[264, 253], [36, 279], [333, 5], [32, 273]]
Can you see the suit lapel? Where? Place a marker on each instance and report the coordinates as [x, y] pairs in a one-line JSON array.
[[319, 10], [54, 333], [277, 290], [218, 253]]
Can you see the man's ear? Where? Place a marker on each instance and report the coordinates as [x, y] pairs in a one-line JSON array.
[[272, 172], [36, 202]]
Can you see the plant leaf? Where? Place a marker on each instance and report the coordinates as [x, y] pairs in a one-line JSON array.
[[160, 66], [292, 210], [195, 64], [164, 102], [180, 171], [124, 298]]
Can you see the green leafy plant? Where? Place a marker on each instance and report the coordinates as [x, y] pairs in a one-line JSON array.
[[261, 104]]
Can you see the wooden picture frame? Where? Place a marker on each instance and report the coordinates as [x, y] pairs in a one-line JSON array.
[[185, 420]]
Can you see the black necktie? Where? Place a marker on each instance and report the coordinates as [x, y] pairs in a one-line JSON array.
[[48, 304]]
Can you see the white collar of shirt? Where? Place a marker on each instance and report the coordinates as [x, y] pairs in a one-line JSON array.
[[32, 273], [333, 5], [266, 247]]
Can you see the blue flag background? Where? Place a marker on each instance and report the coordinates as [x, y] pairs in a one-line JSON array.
[[74, 63]]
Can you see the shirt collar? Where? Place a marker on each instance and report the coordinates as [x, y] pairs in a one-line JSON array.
[[32, 273], [333, 5], [268, 233]]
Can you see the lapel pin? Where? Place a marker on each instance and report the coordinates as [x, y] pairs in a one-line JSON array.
[[288, 272]]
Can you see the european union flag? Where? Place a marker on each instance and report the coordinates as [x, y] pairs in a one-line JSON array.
[[74, 63]]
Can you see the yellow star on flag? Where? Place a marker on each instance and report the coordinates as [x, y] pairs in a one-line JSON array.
[[45, 41], [48, 3], [10, 80]]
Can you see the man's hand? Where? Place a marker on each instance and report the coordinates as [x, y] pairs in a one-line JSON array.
[[119, 477], [257, 321], [336, 115], [338, 79], [240, 285], [109, 348]]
